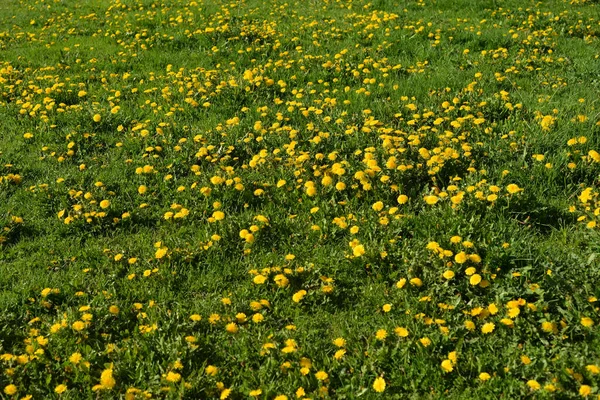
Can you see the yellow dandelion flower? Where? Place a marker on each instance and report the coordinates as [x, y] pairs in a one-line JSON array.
[[401, 331], [585, 390], [461, 257], [593, 369], [107, 380], [448, 274], [75, 358], [488, 327], [548, 326], [475, 279], [225, 394], [358, 250], [161, 252], [447, 366], [379, 384], [339, 354], [587, 322], [173, 377], [321, 375], [416, 282], [431, 200], [298, 296], [60, 389], [512, 188], [10, 389], [550, 388], [381, 334], [78, 325]]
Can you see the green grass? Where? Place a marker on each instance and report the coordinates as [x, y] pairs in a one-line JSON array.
[[452, 99]]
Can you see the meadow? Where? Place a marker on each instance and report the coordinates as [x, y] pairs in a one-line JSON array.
[[283, 199]]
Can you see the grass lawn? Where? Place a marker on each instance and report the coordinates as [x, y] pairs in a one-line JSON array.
[[283, 199]]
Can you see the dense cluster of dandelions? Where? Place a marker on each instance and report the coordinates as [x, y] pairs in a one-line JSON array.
[[338, 164]]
